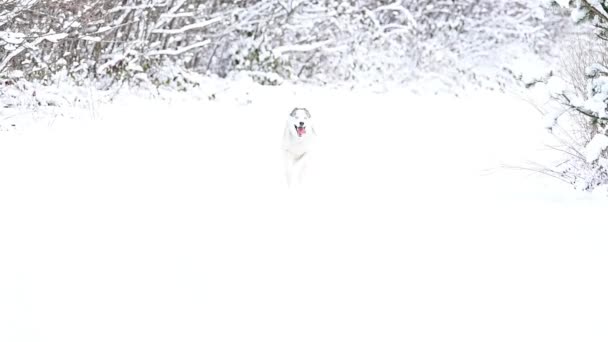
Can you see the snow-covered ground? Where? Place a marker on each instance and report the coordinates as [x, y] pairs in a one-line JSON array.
[[150, 220]]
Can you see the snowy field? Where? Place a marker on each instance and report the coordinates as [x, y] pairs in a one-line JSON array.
[[150, 220]]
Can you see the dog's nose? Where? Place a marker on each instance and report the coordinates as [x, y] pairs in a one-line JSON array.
[[301, 123]]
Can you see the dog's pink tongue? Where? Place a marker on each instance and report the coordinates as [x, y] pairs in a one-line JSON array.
[[301, 131]]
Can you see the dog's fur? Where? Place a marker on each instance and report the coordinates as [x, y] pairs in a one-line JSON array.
[[297, 140]]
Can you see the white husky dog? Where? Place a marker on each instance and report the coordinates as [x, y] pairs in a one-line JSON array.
[[297, 139]]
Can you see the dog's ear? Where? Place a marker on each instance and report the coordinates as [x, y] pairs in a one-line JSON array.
[[295, 111], [307, 112]]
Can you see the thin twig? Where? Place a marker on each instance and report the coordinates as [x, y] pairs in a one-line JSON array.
[[544, 171]]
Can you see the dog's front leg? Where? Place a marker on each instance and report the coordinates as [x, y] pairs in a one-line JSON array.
[[302, 166], [288, 166]]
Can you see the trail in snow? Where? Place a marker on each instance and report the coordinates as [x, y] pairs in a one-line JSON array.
[[171, 221]]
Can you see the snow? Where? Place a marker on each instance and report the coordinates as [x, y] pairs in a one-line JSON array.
[[56, 37], [104, 29], [300, 48], [91, 38], [168, 220], [596, 104], [528, 68], [595, 147], [563, 3], [16, 74], [556, 85], [578, 14], [189, 27], [134, 67], [12, 37], [175, 52], [595, 70]]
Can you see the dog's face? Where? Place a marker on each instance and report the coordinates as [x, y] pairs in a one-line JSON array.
[[299, 123]]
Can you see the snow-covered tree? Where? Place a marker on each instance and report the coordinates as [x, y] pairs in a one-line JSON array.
[[324, 41], [584, 95]]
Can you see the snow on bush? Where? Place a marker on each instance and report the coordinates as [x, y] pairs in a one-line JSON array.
[[595, 148], [581, 88]]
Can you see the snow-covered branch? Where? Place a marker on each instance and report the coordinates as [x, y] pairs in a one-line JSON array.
[[25, 45], [133, 8], [178, 15], [300, 47], [176, 52], [189, 27], [595, 7], [168, 15]]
